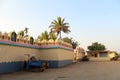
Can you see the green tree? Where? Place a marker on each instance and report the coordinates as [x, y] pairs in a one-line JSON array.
[[96, 46], [21, 33], [59, 25], [75, 44], [52, 36], [71, 41], [68, 40], [44, 36]]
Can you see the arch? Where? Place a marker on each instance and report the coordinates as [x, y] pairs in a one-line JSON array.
[[13, 36], [31, 40]]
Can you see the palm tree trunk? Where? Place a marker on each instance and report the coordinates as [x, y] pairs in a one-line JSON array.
[[60, 34]]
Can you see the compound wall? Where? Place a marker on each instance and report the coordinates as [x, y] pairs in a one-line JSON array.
[[12, 55]]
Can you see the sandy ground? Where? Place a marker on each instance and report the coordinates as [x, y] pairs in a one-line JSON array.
[[78, 71]]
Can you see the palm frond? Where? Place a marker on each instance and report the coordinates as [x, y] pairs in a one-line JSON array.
[[63, 20], [52, 26], [59, 25], [65, 23], [59, 20], [66, 26]]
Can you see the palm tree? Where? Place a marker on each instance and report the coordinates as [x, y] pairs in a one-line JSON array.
[[21, 33], [59, 25], [68, 40], [44, 36], [52, 36]]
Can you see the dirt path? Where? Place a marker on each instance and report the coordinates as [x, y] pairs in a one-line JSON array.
[[78, 71]]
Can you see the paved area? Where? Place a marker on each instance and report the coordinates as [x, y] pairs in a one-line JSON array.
[[78, 71]]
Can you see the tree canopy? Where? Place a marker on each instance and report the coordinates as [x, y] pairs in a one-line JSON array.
[[24, 33], [44, 36], [96, 46], [21, 33], [59, 25], [52, 36], [71, 41], [75, 44], [68, 40]]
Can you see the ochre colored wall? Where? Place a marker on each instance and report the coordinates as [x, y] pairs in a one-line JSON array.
[[14, 53], [48, 54], [12, 57], [111, 55], [99, 59], [56, 54], [65, 54]]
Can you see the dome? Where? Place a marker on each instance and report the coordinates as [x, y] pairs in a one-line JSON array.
[[5, 34], [51, 40]]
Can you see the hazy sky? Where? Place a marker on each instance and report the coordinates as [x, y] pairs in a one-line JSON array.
[[90, 20]]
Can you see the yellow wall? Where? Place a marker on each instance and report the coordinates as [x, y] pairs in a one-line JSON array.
[[99, 59], [111, 55], [56, 54], [65, 54], [15, 53], [48, 54]]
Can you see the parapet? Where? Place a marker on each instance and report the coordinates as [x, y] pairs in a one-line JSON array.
[[13, 37]]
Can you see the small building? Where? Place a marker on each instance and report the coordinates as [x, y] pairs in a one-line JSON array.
[[101, 55]]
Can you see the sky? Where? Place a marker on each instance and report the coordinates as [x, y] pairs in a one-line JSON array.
[[90, 20]]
